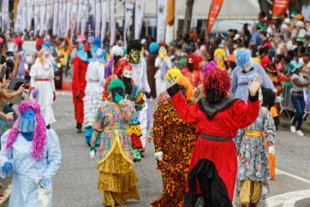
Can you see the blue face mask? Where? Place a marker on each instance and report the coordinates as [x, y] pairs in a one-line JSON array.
[[27, 121], [81, 53]]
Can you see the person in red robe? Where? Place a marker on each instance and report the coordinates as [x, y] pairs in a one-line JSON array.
[[213, 167], [80, 63], [192, 70]]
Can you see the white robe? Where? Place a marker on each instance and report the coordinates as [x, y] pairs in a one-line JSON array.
[[46, 89], [161, 83], [93, 91], [139, 75]]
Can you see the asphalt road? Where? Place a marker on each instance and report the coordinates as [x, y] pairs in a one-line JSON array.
[[75, 185]]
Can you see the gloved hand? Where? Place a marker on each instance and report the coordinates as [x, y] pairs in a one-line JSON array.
[[118, 98], [35, 93], [44, 182], [54, 96], [159, 156], [7, 168], [271, 150], [92, 152]]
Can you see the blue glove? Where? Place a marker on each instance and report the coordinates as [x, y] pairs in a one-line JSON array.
[[118, 98], [7, 168], [44, 182]]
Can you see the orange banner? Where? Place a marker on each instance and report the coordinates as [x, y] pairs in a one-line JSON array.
[[280, 6], [214, 11], [170, 12]]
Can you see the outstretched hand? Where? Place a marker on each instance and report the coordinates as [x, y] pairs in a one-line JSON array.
[[255, 85]]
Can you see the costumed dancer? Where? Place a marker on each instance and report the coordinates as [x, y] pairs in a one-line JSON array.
[[163, 63], [97, 45], [43, 85], [139, 77], [246, 71], [253, 171], [269, 102], [116, 54], [80, 64], [151, 68], [93, 92], [32, 154], [174, 140], [117, 178], [217, 119]]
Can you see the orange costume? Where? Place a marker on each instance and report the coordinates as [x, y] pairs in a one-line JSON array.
[[192, 70]]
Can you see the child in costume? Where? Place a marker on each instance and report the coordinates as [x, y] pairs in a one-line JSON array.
[[93, 92], [163, 63], [269, 102], [173, 140], [32, 154], [253, 175], [117, 177], [217, 119]]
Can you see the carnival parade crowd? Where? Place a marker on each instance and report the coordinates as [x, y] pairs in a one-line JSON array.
[[217, 108]]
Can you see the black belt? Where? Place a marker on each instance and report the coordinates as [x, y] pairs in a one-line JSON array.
[[214, 138]]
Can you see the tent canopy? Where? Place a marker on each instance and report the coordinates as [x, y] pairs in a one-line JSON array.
[[231, 9]]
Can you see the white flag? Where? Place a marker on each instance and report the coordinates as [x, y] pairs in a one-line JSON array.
[[74, 13], [24, 16], [55, 19], [62, 19], [112, 23], [42, 16], [18, 22], [49, 15], [139, 16], [30, 12], [5, 24], [161, 19], [80, 11], [98, 18], [103, 19], [129, 5], [36, 16], [84, 16], [68, 9]]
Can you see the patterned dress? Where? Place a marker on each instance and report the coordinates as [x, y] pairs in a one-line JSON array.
[[117, 177], [253, 159], [175, 139]]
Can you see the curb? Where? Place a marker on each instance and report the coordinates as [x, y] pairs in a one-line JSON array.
[[7, 194]]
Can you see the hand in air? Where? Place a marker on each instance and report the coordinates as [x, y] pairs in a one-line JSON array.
[[255, 85]]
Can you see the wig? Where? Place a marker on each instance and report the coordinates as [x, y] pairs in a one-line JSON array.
[[134, 45], [243, 57], [196, 60], [175, 72], [39, 135], [116, 83], [209, 66], [121, 66], [183, 81], [154, 47], [220, 52], [217, 80]]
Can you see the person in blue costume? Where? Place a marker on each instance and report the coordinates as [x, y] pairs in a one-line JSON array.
[[245, 72], [31, 153], [97, 45]]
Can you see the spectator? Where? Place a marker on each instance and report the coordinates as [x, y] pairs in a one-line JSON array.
[[255, 38]]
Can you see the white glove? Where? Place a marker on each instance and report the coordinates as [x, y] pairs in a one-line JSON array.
[[272, 150], [92, 154], [159, 156]]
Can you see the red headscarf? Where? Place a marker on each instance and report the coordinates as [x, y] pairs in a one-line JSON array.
[[196, 60]]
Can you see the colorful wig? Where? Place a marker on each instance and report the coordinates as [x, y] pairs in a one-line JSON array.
[[183, 81], [196, 60], [154, 47], [116, 83], [217, 80], [39, 135], [210, 65], [175, 72]]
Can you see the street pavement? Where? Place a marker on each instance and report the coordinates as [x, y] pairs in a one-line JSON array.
[[75, 184]]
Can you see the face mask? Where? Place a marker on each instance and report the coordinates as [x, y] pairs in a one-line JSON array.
[[190, 67], [27, 121], [134, 56], [128, 84], [119, 91]]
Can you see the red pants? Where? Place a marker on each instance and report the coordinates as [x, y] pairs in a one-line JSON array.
[[78, 107]]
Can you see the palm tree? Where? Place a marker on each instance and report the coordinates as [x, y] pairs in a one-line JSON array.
[[188, 16]]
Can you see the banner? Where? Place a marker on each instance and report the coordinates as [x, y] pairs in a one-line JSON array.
[[19, 22], [43, 16], [24, 17], [56, 19], [112, 23], [98, 18], [161, 19], [91, 26], [280, 6], [49, 16], [214, 11], [5, 23], [103, 19], [129, 5], [68, 18], [30, 13], [84, 16], [139, 17], [170, 21], [80, 11], [74, 13], [36, 16], [62, 19]]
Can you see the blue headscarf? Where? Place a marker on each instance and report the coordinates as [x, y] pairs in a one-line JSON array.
[[81, 53]]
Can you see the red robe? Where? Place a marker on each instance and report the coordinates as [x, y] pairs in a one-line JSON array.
[[224, 124], [194, 77], [78, 86]]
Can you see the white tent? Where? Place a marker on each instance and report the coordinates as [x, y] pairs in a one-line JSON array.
[[231, 9]]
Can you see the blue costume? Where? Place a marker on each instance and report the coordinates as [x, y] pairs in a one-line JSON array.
[[97, 44]]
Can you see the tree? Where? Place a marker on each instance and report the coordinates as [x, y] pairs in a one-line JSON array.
[[188, 16]]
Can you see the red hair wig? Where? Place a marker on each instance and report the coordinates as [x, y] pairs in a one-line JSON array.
[[218, 80], [121, 65]]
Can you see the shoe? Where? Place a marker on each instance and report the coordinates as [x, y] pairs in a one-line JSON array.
[[293, 129], [79, 131], [300, 133]]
